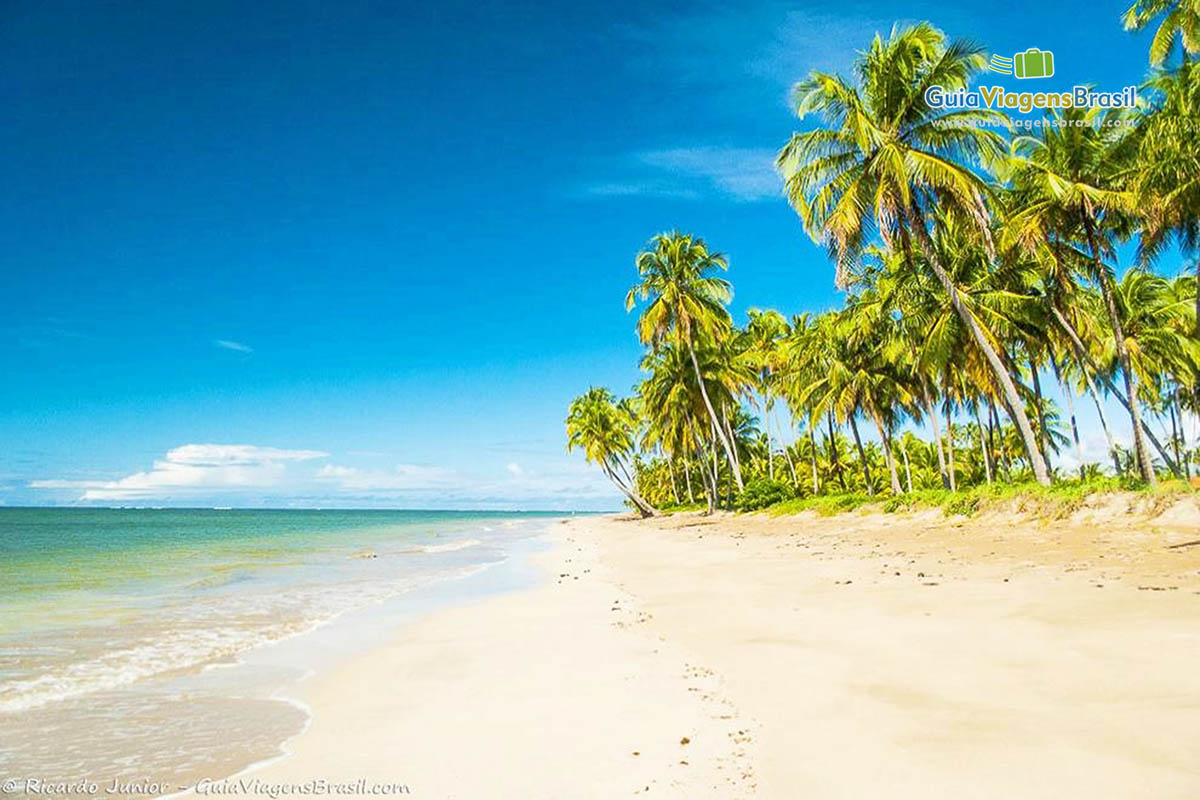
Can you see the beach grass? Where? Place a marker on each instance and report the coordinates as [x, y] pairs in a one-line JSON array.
[[1045, 502]]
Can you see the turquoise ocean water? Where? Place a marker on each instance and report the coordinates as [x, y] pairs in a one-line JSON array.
[[126, 634]]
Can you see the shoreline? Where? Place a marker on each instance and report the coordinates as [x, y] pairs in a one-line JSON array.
[[744, 656]]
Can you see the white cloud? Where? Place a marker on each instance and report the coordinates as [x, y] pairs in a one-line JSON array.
[[194, 469], [252, 475], [641, 188], [740, 173], [229, 344], [404, 477]]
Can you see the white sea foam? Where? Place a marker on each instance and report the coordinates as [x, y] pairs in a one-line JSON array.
[[447, 547], [209, 633]]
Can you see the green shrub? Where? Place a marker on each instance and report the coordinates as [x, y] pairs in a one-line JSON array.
[[762, 492]]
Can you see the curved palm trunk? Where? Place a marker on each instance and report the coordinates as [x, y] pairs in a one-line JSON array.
[[687, 480], [644, 508], [1085, 363], [1016, 407], [1131, 379], [862, 457], [712, 415]]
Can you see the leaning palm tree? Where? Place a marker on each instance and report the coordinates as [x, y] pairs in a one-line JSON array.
[[604, 429], [884, 161], [686, 303], [1180, 21]]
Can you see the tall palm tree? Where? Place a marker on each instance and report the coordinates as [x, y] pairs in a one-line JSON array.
[[686, 304], [884, 161], [1070, 181], [604, 429], [1180, 21]]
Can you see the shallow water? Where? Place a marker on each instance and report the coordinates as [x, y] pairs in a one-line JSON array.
[[124, 633]]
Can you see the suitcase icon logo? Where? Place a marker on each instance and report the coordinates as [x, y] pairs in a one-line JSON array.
[[1033, 63]]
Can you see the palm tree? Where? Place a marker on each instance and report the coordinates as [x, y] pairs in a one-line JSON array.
[[764, 330], [604, 429], [686, 303], [1180, 20], [1167, 178], [885, 161], [1069, 181]]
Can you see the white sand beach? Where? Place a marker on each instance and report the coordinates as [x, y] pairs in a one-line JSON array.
[[860, 655]]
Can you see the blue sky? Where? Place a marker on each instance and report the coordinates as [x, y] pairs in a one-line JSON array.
[[364, 253]]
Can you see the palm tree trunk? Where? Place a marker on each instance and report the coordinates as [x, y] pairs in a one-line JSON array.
[[812, 444], [717, 469], [644, 508], [1041, 413], [886, 442], [950, 448], [907, 466], [994, 426], [710, 491], [674, 488], [712, 415], [737, 460], [937, 437], [787, 452], [687, 479], [1112, 444], [1086, 363], [1070, 395], [1174, 430], [1016, 407], [1131, 378], [862, 456], [767, 430], [983, 446], [833, 453], [701, 458]]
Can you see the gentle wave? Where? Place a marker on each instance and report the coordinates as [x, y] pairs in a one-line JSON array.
[[190, 643]]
